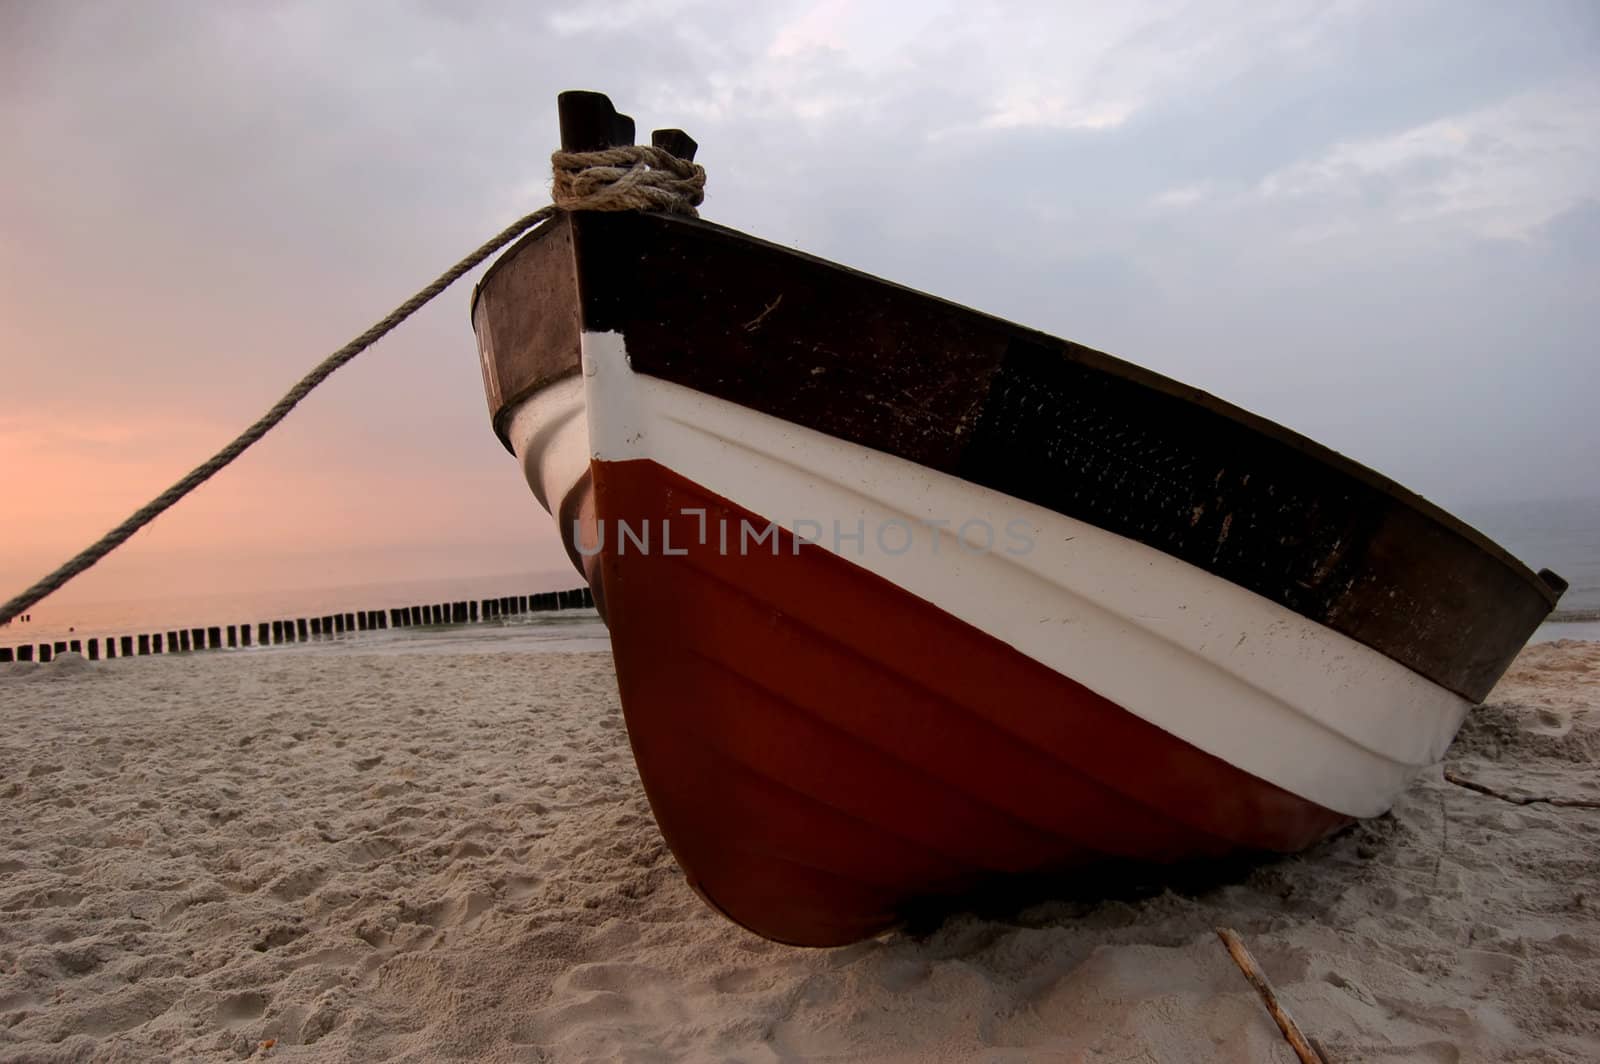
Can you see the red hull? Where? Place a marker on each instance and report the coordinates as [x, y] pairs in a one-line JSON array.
[[822, 749]]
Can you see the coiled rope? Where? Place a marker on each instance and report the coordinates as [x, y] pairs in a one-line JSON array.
[[636, 178]]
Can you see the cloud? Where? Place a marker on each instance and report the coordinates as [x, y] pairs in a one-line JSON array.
[[1498, 171]]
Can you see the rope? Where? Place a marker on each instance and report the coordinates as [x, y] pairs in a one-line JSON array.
[[636, 178]]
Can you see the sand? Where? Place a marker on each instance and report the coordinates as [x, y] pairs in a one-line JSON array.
[[282, 856]]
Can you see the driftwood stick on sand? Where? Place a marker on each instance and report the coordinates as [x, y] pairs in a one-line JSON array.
[[1252, 972], [1519, 799]]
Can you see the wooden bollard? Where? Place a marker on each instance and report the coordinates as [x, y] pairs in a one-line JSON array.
[[472, 611], [111, 647], [233, 636], [338, 623], [588, 598], [25, 653], [183, 640], [76, 646], [214, 638], [349, 622], [94, 649], [6, 655], [277, 632], [199, 640], [144, 645], [522, 603], [302, 629], [45, 653], [416, 615], [361, 622], [244, 635], [316, 626]]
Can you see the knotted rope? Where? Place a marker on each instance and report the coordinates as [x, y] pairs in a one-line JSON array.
[[637, 178]]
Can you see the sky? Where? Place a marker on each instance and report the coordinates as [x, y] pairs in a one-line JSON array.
[[1375, 222]]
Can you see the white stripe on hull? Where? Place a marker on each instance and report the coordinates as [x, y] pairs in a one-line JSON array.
[[1228, 671]]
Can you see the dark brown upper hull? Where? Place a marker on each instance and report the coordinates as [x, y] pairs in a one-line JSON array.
[[1044, 420]]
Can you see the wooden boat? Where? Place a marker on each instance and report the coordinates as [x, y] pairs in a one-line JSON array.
[[904, 598]]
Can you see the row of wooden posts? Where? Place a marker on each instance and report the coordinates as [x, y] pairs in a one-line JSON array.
[[303, 629]]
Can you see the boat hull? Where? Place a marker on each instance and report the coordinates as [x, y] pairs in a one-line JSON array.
[[833, 732], [903, 600]]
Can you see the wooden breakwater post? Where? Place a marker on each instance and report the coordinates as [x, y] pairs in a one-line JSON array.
[[301, 629], [7, 655]]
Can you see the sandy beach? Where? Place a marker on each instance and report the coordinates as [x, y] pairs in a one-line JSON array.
[[447, 856]]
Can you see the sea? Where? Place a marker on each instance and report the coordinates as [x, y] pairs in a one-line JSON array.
[[1563, 536]]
